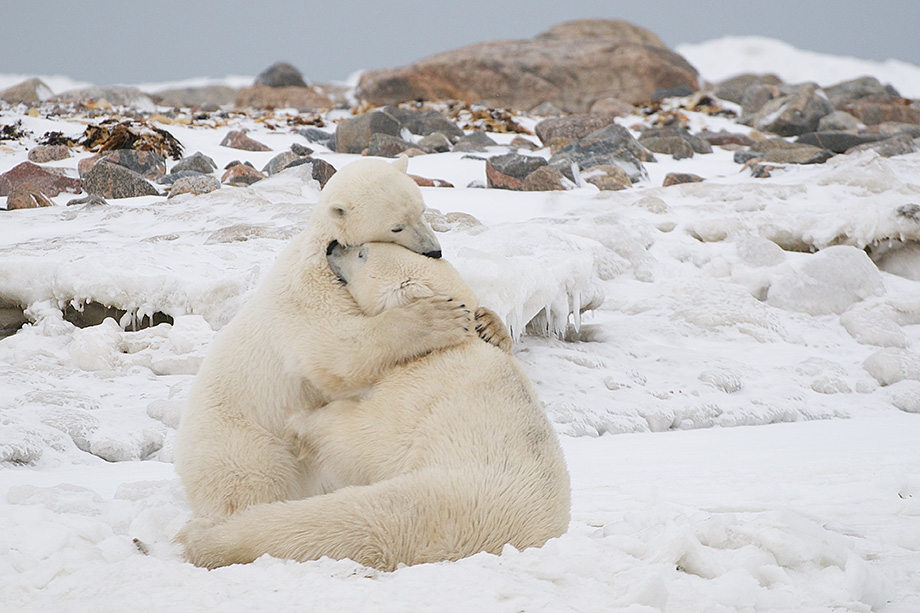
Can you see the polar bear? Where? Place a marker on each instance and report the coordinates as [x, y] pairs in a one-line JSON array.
[[446, 456], [301, 341]]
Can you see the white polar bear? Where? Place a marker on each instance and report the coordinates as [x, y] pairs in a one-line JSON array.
[[446, 456], [301, 341]]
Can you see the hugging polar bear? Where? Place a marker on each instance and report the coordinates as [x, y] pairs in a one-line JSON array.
[[301, 341], [445, 456]]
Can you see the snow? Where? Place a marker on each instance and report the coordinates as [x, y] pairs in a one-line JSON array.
[[707, 307]]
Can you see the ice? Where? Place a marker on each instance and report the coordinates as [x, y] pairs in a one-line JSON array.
[[830, 281]]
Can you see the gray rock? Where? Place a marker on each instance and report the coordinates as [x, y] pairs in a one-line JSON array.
[[435, 143], [387, 145], [42, 154], [175, 176], [613, 145], [197, 162], [424, 122], [147, 163], [280, 74], [114, 181], [516, 165], [352, 135], [858, 89], [797, 113], [91, 201], [212, 96], [733, 89], [561, 131], [899, 144], [755, 97], [474, 142], [199, 184], [837, 141], [698, 145], [301, 150], [116, 96], [278, 163], [315, 135]]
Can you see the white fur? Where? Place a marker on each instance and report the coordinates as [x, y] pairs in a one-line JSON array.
[[301, 342], [448, 455]]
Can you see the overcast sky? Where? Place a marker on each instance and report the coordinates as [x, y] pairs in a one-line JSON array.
[[123, 42]]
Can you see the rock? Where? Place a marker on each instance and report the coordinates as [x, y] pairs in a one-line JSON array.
[[758, 170], [278, 163], [301, 150], [425, 182], [31, 92], [175, 176], [611, 106], [84, 165], [838, 121], [214, 96], [353, 135], [474, 142], [733, 89], [872, 112], [197, 162], [424, 122], [859, 89], [103, 97], [743, 157], [607, 177], [200, 184], [435, 143], [900, 144], [322, 171], [147, 163], [303, 99], [519, 142], [794, 114], [613, 145], [699, 145], [558, 132], [780, 151], [497, 179], [280, 74], [545, 179], [838, 141], [613, 29], [546, 109], [676, 178], [386, 145], [681, 91], [237, 139], [315, 135], [720, 139], [516, 165], [48, 182], [27, 196], [909, 211], [113, 181], [755, 97], [12, 317], [91, 201], [668, 145], [241, 175], [42, 154], [571, 73]]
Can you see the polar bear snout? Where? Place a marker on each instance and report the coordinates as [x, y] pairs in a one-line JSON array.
[[433, 254]]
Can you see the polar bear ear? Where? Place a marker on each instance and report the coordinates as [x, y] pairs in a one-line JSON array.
[[402, 163]]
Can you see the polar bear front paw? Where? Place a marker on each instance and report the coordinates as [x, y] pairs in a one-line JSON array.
[[448, 321], [492, 330]]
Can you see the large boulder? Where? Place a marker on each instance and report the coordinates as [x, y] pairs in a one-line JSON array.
[[281, 74], [31, 91], [572, 67]]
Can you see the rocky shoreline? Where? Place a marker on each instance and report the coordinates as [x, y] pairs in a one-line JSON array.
[[566, 93]]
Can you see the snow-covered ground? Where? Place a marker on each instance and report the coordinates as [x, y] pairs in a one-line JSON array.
[[712, 312]]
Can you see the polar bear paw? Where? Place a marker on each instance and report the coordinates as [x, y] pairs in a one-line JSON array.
[[492, 330]]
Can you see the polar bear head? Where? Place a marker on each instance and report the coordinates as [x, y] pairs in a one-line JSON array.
[[372, 200], [383, 276]]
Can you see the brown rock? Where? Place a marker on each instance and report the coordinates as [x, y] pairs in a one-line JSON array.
[[32, 92], [607, 177], [544, 179], [27, 196], [241, 175], [42, 154], [668, 145], [202, 184], [720, 139], [675, 178], [572, 73], [113, 181], [86, 164], [353, 134], [519, 142], [611, 29], [557, 132], [300, 98], [612, 106], [50, 183], [872, 112], [496, 178], [425, 182], [237, 139], [322, 171], [387, 145]]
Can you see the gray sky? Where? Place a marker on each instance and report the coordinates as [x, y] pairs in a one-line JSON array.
[[121, 41]]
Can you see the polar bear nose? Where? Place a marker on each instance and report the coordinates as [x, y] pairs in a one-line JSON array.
[[433, 254]]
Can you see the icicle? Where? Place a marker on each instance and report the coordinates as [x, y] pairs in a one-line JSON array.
[[576, 310]]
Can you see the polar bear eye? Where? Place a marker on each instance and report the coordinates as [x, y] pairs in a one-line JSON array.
[[397, 229]]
